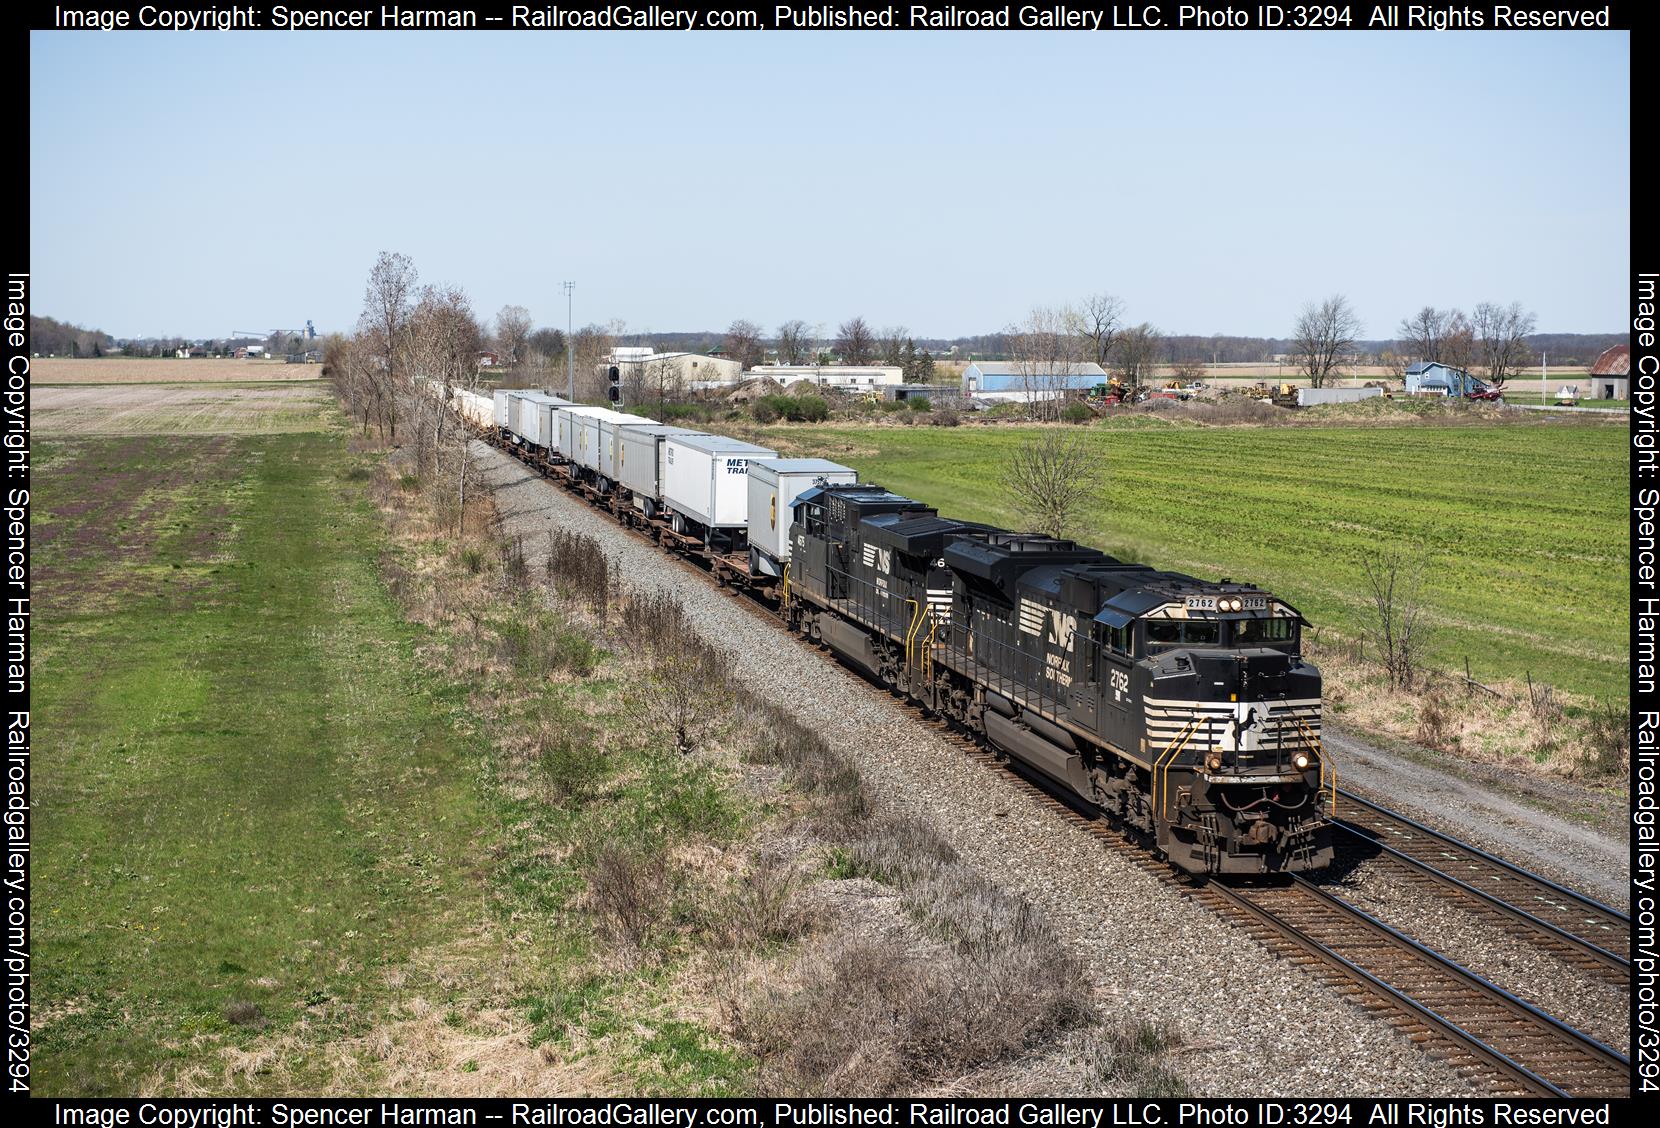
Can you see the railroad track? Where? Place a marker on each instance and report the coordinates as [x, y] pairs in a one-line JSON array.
[[1584, 932], [1497, 1041]]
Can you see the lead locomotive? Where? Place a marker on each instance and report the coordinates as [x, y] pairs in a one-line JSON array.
[[1183, 708]]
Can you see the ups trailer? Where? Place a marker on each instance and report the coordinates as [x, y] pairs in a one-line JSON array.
[[774, 485], [641, 457], [706, 487]]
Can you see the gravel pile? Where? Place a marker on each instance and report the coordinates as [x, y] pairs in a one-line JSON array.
[[1526, 971], [1252, 1026]]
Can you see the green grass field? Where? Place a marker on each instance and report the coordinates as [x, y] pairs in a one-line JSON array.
[[1520, 393], [1522, 527], [249, 802]]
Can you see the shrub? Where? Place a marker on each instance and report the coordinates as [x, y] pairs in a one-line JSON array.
[[809, 409], [764, 410], [629, 889], [920, 403], [1608, 739], [891, 406], [1076, 413], [944, 417], [568, 760]]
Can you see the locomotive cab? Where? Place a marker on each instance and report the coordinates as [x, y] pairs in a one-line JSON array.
[[1232, 725]]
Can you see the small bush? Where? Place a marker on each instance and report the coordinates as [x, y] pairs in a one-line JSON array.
[[629, 890], [1076, 413], [568, 760], [472, 559], [758, 909], [1435, 720], [764, 411], [944, 417], [920, 403], [1608, 739], [891, 406]]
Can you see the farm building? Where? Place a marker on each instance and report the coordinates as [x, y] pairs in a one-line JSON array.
[[1010, 380], [489, 360], [852, 377], [1432, 378], [1611, 374]]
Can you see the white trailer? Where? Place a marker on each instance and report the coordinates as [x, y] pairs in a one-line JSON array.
[[1310, 397], [596, 442], [567, 421], [706, 485], [774, 484], [641, 456], [533, 422], [611, 432], [501, 405]]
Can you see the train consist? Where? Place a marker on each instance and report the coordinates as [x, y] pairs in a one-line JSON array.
[[1181, 707]]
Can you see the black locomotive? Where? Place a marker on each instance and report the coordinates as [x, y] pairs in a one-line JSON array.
[[1182, 707]]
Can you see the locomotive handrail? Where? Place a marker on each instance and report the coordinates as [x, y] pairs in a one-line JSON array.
[[910, 632], [784, 590], [1161, 766]]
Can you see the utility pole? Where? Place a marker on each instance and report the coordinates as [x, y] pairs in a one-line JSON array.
[[570, 346]]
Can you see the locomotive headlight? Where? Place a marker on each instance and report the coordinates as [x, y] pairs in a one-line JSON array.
[[1301, 760], [1214, 763], [1236, 605]]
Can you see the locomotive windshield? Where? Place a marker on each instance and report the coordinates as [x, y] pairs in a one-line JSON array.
[[1220, 632]]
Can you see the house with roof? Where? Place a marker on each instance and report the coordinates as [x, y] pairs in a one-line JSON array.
[[1611, 374], [1023, 383], [1432, 378]]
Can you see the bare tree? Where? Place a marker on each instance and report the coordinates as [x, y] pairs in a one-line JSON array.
[[1398, 627], [1323, 338], [1188, 370], [795, 342], [1099, 320], [385, 322], [1501, 339], [743, 343], [1135, 355], [1458, 346], [1425, 332], [855, 342], [513, 334], [1046, 354], [1051, 476], [891, 342]]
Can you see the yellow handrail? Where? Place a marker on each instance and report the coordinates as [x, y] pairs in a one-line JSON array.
[[1161, 765], [784, 596], [910, 632]]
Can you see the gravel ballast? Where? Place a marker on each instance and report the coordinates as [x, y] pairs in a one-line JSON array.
[[1251, 1025]]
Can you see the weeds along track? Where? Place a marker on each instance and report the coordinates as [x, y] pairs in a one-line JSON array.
[[1585, 933], [1499, 1042]]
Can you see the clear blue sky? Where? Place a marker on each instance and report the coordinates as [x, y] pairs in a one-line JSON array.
[[193, 184]]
